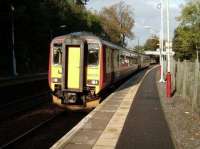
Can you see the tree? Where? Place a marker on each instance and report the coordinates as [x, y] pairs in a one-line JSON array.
[[187, 35], [36, 23], [77, 2], [118, 22], [81, 2], [139, 48], [152, 43]]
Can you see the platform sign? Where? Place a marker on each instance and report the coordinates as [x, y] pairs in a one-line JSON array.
[[168, 45]]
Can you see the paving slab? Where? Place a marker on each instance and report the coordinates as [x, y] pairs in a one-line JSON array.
[[78, 146], [102, 127], [84, 136], [146, 126]]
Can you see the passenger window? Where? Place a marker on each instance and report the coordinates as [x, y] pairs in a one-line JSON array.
[[57, 54], [93, 54]]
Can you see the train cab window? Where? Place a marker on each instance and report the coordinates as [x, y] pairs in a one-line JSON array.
[[93, 54], [57, 54]]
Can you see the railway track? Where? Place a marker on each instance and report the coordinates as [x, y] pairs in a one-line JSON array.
[[22, 87], [26, 134], [23, 79], [45, 132], [23, 104]]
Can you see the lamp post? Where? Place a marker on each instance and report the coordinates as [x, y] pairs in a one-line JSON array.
[[137, 44], [161, 46], [14, 71], [168, 76], [161, 43], [161, 7]]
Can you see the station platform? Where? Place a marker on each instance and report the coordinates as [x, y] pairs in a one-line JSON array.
[[130, 118]]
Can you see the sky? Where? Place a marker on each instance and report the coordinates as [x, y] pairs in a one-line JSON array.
[[146, 13]]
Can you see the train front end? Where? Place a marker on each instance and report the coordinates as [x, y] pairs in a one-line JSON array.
[[75, 77]]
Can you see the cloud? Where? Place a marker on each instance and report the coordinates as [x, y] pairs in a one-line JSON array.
[[145, 13]]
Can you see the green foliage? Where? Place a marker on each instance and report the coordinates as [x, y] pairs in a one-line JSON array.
[[139, 48], [187, 35], [77, 2], [118, 22], [152, 43], [36, 23]]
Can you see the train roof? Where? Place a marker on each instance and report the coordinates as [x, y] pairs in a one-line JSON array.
[[90, 36], [83, 35]]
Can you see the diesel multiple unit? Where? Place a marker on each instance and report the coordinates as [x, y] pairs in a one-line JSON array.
[[82, 66]]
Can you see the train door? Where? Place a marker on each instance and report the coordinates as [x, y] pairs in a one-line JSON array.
[[112, 66], [108, 65], [74, 65]]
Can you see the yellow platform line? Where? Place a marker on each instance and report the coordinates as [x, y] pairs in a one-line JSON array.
[[110, 135]]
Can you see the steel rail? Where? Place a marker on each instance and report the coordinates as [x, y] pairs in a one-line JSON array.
[[17, 106], [20, 137], [22, 100], [22, 79]]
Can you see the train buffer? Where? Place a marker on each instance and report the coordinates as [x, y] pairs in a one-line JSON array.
[[131, 117]]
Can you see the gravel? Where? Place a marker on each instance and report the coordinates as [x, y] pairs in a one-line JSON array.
[[184, 124]]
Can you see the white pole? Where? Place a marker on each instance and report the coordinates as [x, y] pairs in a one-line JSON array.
[[161, 42], [168, 76], [168, 39]]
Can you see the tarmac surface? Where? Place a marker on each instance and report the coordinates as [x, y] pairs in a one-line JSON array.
[[145, 126], [131, 117]]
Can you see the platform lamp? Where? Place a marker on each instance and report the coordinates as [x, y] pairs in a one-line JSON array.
[[168, 76], [160, 45], [161, 7]]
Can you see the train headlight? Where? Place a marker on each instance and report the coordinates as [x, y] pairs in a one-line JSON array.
[[56, 80], [93, 82]]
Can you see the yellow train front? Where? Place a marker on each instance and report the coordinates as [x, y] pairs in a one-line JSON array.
[[83, 66], [74, 71]]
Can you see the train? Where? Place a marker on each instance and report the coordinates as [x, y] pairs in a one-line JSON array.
[[82, 66]]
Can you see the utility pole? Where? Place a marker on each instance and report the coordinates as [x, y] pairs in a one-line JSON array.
[[13, 41], [161, 42], [168, 77]]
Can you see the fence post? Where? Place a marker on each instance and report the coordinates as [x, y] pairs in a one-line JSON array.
[[175, 76], [184, 79], [195, 95], [173, 73], [178, 78]]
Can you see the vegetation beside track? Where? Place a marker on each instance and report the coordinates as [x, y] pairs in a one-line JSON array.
[[37, 22]]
